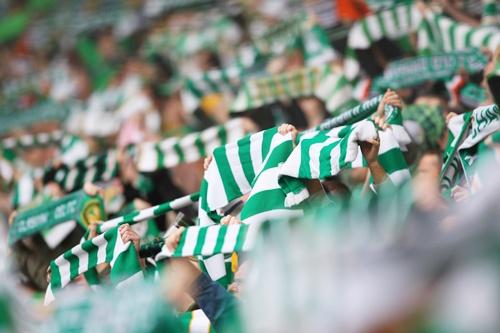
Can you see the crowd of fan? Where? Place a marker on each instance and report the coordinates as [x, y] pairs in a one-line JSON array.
[[120, 89]]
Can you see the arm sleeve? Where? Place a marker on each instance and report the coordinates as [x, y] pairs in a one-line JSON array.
[[218, 304], [34, 267]]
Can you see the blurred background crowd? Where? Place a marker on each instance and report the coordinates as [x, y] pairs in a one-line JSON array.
[[124, 99]]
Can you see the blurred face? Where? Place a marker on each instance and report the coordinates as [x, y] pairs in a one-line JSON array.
[[428, 169], [487, 70], [335, 187]]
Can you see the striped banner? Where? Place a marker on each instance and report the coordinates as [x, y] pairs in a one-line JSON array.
[[105, 248], [32, 140], [190, 148], [337, 93], [349, 117], [214, 239], [93, 169], [269, 89], [267, 200], [223, 31], [234, 167], [392, 23], [226, 80], [438, 33], [281, 35], [149, 213]]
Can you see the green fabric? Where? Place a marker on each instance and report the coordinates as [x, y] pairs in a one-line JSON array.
[[472, 95], [409, 72], [6, 318], [100, 72], [14, 25], [77, 206], [430, 119]]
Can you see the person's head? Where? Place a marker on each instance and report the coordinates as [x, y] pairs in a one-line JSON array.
[[207, 60], [426, 126], [433, 94], [333, 186], [429, 167], [491, 81]]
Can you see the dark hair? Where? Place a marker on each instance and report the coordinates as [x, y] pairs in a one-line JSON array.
[[435, 89]]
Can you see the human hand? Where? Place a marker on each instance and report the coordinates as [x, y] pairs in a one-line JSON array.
[[92, 189], [459, 193], [172, 240], [207, 161], [390, 98], [129, 235], [370, 149], [12, 217], [92, 230], [449, 116], [284, 129], [230, 220]]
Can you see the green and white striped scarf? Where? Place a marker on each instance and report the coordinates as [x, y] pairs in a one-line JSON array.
[[32, 140], [392, 23], [333, 88], [269, 89], [230, 175], [323, 154], [267, 200], [185, 43], [93, 169], [226, 80], [24, 191], [282, 35], [238, 168], [313, 40], [337, 93], [149, 213], [316, 46], [298, 32], [234, 168], [73, 149], [438, 33], [105, 248], [211, 240], [192, 147]]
